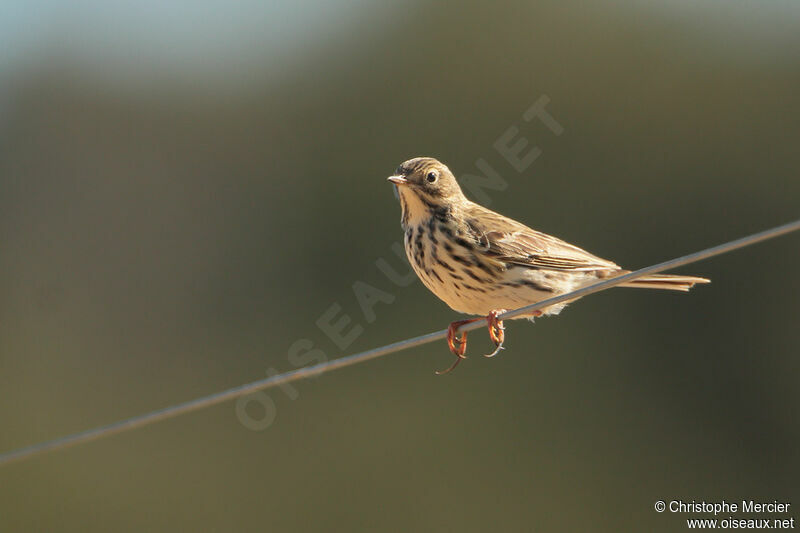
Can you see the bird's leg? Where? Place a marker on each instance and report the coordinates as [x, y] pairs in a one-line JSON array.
[[452, 337], [457, 345], [496, 331]]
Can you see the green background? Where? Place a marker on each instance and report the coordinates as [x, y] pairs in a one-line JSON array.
[[186, 190]]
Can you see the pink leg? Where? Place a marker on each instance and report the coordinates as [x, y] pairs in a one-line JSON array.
[[457, 345], [496, 331]]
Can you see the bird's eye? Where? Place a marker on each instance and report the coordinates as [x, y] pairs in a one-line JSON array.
[[432, 175]]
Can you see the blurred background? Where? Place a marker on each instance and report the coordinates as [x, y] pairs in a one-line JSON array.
[[186, 188]]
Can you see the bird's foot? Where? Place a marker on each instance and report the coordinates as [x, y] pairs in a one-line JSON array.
[[457, 345], [496, 331]]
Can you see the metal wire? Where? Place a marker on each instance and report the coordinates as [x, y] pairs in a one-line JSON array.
[[273, 381]]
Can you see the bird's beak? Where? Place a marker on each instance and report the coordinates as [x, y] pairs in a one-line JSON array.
[[398, 180]]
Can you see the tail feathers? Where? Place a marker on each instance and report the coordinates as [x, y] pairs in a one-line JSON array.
[[666, 281]]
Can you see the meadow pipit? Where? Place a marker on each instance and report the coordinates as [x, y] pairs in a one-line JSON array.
[[482, 263]]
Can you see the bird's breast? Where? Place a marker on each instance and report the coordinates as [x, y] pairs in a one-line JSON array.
[[452, 264]]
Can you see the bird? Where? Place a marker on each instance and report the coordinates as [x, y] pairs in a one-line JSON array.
[[480, 262]]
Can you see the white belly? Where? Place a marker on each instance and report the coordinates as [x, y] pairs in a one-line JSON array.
[[511, 292]]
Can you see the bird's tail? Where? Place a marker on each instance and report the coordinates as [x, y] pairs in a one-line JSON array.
[[666, 281]]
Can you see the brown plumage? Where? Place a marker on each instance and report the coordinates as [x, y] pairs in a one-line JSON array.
[[516, 244], [480, 262]]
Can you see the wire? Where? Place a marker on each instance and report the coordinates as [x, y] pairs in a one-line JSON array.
[[301, 373]]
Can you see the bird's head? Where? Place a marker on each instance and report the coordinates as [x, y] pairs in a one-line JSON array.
[[425, 184]]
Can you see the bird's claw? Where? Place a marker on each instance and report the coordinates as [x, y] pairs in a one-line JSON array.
[[453, 339], [458, 345], [496, 328], [496, 331], [496, 351], [448, 370]]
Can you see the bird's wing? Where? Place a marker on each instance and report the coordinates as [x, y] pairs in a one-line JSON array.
[[511, 242]]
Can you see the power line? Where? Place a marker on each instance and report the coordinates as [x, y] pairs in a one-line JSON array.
[[301, 373]]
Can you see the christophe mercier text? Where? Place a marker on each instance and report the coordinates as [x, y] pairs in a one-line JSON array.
[[746, 506]]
